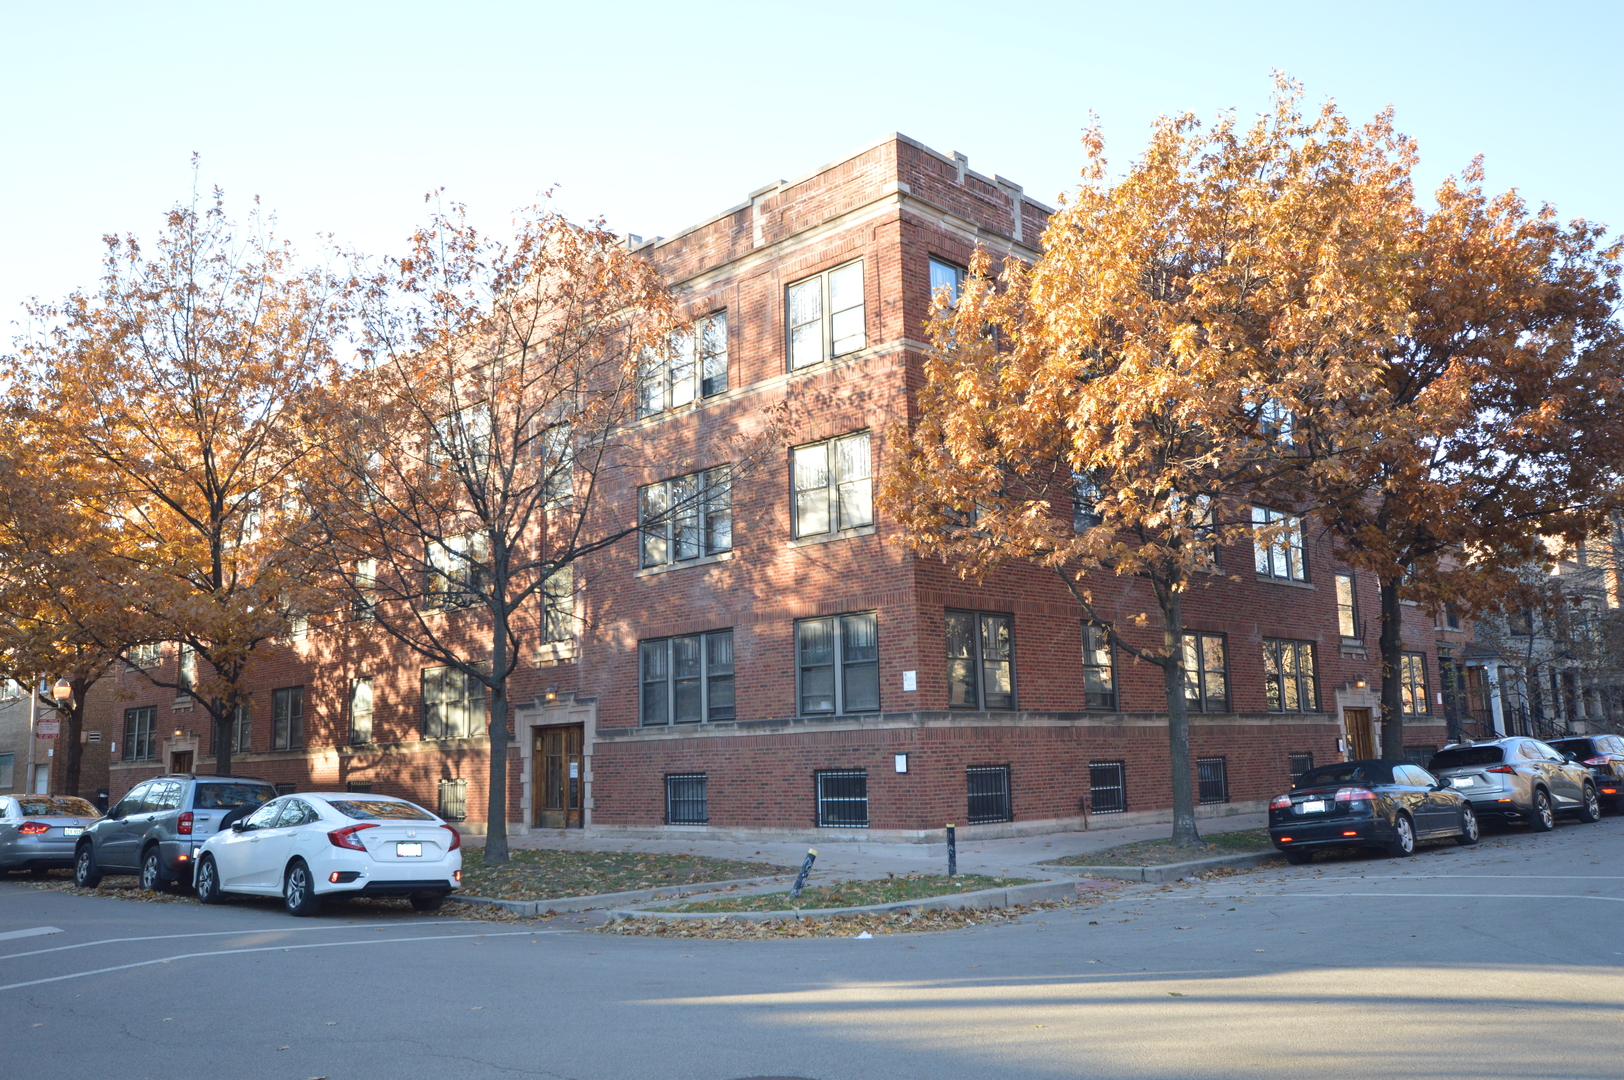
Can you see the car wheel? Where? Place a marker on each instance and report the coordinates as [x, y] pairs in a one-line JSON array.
[[1299, 856], [1543, 819], [299, 890], [153, 878], [1469, 831], [85, 873], [1590, 808], [208, 882], [428, 903], [1403, 842]]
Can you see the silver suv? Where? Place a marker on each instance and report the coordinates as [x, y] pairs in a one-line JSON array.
[[156, 829], [1518, 778]]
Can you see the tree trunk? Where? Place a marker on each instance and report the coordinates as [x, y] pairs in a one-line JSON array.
[[1178, 721], [72, 751], [1392, 652], [222, 738], [496, 845]]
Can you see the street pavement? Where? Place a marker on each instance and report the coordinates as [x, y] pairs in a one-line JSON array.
[[1502, 960]]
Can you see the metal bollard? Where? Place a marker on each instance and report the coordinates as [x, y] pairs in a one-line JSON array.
[[806, 868], [952, 852]]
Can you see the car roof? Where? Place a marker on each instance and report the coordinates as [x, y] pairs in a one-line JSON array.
[[350, 795]]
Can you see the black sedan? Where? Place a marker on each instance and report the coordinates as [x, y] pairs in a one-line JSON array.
[[1603, 755], [1386, 805]]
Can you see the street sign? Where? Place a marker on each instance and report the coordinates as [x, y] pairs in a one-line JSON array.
[[48, 729]]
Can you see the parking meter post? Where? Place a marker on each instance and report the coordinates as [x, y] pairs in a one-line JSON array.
[[806, 868], [952, 852]]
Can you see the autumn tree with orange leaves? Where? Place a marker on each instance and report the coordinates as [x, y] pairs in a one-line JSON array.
[[1138, 369]]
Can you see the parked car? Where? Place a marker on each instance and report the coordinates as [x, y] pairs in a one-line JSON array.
[[1387, 805], [38, 832], [1519, 779], [311, 847], [156, 829], [1603, 755]]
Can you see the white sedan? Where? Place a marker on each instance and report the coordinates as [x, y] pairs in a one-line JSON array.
[[307, 847]]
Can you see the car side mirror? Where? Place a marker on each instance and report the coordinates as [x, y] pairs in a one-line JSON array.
[[115, 813], [240, 825]]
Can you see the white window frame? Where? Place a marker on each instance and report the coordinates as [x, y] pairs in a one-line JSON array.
[[694, 367], [1283, 558], [843, 496], [834, 332]]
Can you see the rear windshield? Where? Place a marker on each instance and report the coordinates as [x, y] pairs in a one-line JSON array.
[[379, 808], [1466, 755], [56, 806], [1581, 747], [1350, 772], [217, 796]]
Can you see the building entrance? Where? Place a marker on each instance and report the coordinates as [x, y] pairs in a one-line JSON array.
[[1361, 737], [559, 778], [180, 761]]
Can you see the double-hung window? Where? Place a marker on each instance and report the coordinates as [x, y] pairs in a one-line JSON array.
[[361, 712], [1206, 672], [687, 679], [834, 486], [1288, 669], [186, 669], [242, 728], [1413, 683], [944, 275], [1099, 674], [1085, 497], [1347, 606], [558, 606], [366, 588], [1281, 557], [825, 316], [838, 660], [980, 660], [556, 449], [456, 571], [145, 655], [287, 718], [686, 518], [453, 704], [140, 729], [694, 366]]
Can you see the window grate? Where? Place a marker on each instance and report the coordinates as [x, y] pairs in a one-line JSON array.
[[686, 802], [286, 789], [1107, 787], [454, 800], [843, 799], [987, 787], [1297, 764], [1212, 780], [359, 787]]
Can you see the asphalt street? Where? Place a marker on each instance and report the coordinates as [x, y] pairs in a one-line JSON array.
[[1502, 960]]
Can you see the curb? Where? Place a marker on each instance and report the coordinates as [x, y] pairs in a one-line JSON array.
[[565, 904], [1158, 875], [984, 898]]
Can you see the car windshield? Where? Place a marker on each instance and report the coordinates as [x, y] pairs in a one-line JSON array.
[[1455, 757], [380, 808], [216, 796], [1349, 772], [1579, 747], [56, 806]]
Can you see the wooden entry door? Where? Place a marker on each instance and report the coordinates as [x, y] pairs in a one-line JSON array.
[[559, 777], [1361, 739], [180, 761]]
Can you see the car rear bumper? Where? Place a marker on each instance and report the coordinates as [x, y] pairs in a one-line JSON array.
[[1331, 833], [398, 887], [1497, 805], [24, 853]]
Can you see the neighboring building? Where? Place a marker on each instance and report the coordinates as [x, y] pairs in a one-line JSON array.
[[777, 663], [22, 768]]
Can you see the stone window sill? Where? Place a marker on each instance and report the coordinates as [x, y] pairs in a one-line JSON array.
[[1269, 579], [703, 560], [555, 652], [829, 538]]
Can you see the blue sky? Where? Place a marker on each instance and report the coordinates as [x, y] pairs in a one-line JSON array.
[[341, 115]]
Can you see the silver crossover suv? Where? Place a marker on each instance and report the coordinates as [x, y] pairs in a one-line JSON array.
[[156, 829], [1518, 778]]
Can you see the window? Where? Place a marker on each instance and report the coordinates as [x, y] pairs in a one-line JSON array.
[[1099, 676], [944, 275], [558, 606], [843, 799], [1085, 497], [462, 438], [456, 571], [10, 690], [556, 448], [1413, 683], [688, 679], [287, 718], [1275, 422], [1206, 672], [1451, 618], [8, 770], [453, 704], [1282, 557], [1347, 607], [359, 787], [834, 485], [987, 789], [685, 802], [242, 728], [1107, 788], [1420, 756], [825, 316], [140, 743], [145, 655], [838, 660], [980, 660], [687, 517], [361, 712], [694, 366], [186, 671], [1212, 780], [1521, 623], [1297, 764], [453, 805], [366, 581], [286, 789], [1288, 671]]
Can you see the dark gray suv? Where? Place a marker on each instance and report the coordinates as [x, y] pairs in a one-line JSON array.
[[156, 829]]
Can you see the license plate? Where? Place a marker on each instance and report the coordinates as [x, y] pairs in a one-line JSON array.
[[1312, 806], [1462, 781], [409, 851], [72, 832]]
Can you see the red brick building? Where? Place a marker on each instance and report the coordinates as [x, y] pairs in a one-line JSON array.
[[775, 661]]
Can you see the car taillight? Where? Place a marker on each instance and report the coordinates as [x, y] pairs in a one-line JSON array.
[[1281, 802], [1502, 769], [33, 828], [184, 825], [1603, 760], [346, 838], [456, 838], [1355, 794]]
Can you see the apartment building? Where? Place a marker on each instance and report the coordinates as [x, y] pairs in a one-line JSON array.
[[775, 662]]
